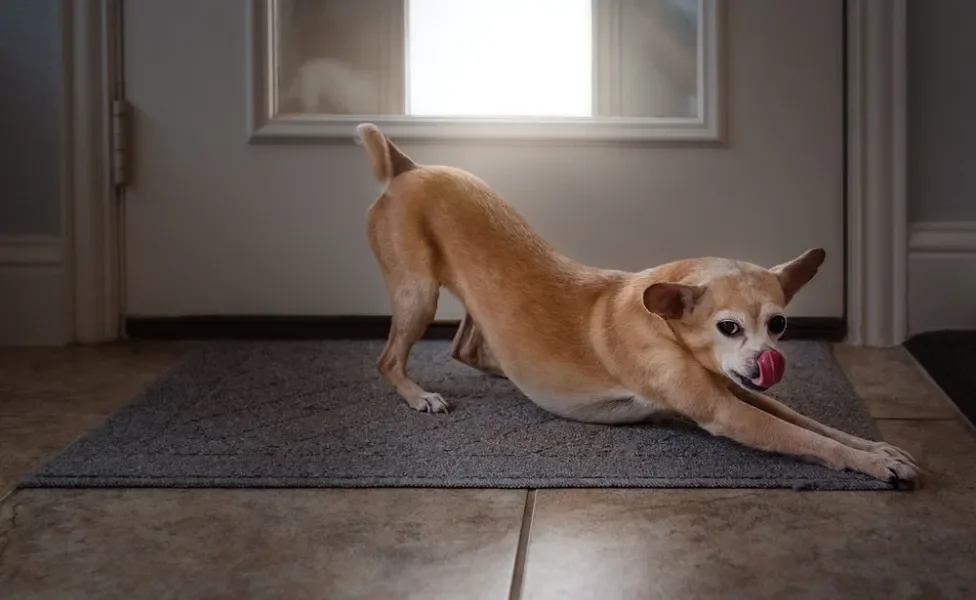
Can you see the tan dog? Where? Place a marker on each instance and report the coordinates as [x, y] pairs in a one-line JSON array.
[[696, 338]]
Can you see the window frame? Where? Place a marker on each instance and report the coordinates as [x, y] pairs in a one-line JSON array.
[[265, 126]]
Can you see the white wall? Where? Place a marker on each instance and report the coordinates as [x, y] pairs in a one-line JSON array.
[[942, 153], [30, 173], [217, 226]]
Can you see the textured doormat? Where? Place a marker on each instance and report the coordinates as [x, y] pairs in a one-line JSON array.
[[949, 357], [317, 414]]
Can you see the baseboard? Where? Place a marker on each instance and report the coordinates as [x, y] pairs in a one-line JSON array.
[[361, 327], [941, 276], [31, 291]]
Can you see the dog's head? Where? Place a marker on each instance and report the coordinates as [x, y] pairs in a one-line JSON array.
[[730, 314]]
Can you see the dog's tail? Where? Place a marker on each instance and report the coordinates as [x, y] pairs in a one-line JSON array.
[[387, 160]]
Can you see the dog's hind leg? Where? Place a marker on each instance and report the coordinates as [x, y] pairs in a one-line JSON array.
[[414, 303], [471, 348]]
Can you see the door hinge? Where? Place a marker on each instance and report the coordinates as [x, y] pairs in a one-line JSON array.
[[120, 142]]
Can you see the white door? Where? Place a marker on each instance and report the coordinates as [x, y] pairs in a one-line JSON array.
[[216, 225]]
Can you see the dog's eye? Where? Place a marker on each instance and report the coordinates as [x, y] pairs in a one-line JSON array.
[[729, 328], [776, 324]]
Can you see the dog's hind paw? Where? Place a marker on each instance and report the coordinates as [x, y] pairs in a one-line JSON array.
[[431, 403]]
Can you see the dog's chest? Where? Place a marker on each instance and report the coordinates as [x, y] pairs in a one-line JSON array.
[[610, 406]]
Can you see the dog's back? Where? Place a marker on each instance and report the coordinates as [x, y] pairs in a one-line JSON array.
[[443, 226], [430, 208]]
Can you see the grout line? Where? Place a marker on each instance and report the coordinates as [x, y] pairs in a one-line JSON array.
[[518, 573]]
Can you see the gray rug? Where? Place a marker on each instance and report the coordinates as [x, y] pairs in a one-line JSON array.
[[317, 414]]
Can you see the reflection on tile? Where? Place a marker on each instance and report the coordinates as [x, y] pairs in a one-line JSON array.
[[674, 544], [891, 384], [26, 442], [260, 543]]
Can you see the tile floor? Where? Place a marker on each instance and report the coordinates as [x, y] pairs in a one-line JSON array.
[[365, 544]]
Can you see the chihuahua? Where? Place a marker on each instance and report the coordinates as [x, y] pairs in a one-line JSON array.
[[695, 338]]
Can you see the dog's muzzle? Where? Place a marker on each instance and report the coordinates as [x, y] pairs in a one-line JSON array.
[[767, 372]]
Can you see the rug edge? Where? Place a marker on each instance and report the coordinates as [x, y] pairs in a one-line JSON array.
[[60, 482]]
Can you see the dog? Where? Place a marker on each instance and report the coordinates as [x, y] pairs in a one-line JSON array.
[[694, 338]]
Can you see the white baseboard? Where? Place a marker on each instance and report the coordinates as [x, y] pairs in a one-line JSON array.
[[32, 307], [941, 276]]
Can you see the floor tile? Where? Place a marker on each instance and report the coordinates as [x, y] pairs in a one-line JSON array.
[[25, 442], [945, 450], [891, 384], [52, 404], [234, 544], [80, 379], [702, 544], [461, 543]]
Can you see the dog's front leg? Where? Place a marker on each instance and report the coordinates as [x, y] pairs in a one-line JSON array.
[[699, 395], [784, 412]]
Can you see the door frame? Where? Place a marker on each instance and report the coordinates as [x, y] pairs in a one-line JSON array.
[[92, 207], [876, 215], [876, 176]]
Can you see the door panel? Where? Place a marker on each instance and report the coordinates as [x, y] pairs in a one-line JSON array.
[[217, 226]]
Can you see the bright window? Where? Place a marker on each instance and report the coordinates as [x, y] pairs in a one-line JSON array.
[[504, 58]]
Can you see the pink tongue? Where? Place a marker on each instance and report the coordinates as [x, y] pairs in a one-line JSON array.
[[771, 368]]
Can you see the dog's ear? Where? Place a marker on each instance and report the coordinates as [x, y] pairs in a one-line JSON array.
[[672, 300], [795, 274]]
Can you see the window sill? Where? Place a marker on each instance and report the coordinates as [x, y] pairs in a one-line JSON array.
[[331, 129]]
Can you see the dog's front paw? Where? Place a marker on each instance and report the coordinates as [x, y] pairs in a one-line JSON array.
[[888, 450], [903, 475], [431, 403], [894, 466]]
